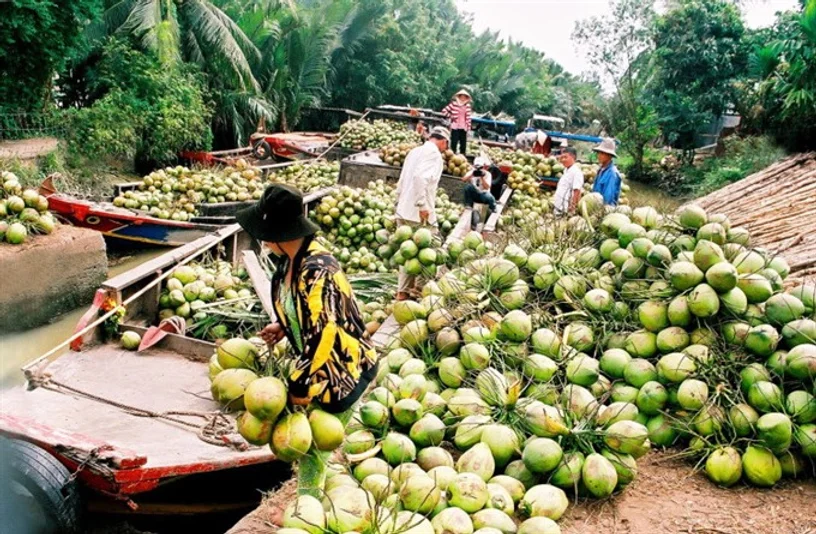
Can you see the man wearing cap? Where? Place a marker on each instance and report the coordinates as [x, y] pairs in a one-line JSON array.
[[416, 192], [477, 189], [608, 179], [459, 113], [315, 311]]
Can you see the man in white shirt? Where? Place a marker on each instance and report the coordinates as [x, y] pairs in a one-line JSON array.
[[416, 192], [570, 185]]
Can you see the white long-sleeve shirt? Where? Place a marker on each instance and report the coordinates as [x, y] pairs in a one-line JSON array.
[[418, 183]]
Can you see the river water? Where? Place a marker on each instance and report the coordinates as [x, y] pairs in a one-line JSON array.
[[18, 348]]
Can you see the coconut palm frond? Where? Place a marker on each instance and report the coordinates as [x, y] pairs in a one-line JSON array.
[[764, 61], [142, 22], [110, 21], [216, 41]]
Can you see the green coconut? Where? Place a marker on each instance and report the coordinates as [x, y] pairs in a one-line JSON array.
[[542, 455], [237, 353], [775, 431], [761, 467], [641, 344], [639, 371], [398, 448], [801, 362], [544, 500], [799, 332], [712, 232], [756, 287], [801, 406], [707, 254], [765, 396], [428, 431], [724, 466], [292, 437], [743, 418], [468, 491], [762, 340], [599, 475], [685, 275], [783, 308], [703, 301], [678, 312]]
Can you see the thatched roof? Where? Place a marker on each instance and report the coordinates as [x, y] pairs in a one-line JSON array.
[[778, 206]]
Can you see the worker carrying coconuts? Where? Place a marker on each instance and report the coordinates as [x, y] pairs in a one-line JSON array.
[[608, 179], [536, 142], [416, 192], [568, 190], [459, 113], [314, 304]]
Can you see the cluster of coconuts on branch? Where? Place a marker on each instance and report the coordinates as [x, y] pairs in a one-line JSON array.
[[363, 135], [244, 379], [174, 192], [23, 211], [654, 331]]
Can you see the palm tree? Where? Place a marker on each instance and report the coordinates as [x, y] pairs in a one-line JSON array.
[[197, 32], [301, 47]]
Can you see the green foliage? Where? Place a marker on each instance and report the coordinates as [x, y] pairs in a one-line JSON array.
[[784, 100], [620, 53], [698, 56], [195, 32], [148, 113], [36, 39], [741, 157]]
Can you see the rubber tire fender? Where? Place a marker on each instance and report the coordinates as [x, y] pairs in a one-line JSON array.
[[262, 150], [46, 479]]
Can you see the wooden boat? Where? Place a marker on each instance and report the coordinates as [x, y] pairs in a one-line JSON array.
[[132, 228], [125, 423], [273, 147]]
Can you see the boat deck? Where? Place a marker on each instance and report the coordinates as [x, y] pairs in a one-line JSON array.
[[145, 449]]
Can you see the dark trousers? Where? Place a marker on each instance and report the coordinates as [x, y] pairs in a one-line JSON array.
[[473, 195], [459, 137]]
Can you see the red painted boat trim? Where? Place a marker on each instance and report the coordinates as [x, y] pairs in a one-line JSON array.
[[126, 473]]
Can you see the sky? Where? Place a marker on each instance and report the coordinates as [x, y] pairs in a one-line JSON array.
[[548, 24]]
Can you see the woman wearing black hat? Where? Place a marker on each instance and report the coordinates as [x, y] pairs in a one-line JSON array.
[[314, 304]]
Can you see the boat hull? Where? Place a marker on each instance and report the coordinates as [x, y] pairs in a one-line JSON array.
[[125, 229]]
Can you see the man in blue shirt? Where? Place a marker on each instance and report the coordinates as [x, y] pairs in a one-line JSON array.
[[608, 180]]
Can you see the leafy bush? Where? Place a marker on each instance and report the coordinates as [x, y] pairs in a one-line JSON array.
[[743, 156], [149, 112]]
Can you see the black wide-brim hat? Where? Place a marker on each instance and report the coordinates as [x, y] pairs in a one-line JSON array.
[[278, 216]]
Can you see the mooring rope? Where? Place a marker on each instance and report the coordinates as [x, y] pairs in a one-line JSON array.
[[216, 430]]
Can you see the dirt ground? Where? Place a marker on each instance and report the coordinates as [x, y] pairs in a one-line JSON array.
[[666, 497], [28, 148]]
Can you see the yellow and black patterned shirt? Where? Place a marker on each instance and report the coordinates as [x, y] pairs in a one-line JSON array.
[[338, 360]]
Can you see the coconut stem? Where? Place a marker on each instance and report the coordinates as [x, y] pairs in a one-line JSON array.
[[311, 476]]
